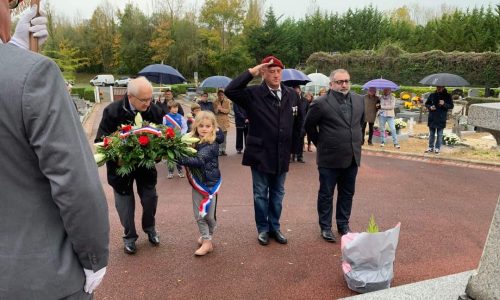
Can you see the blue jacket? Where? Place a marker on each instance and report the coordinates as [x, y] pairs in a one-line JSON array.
[[206, 160]]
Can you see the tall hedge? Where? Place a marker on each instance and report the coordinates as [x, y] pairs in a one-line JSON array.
[[480, 69]]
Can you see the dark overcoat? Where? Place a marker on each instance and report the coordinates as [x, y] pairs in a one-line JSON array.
[[437, 118], [116, 114], [269, 139]]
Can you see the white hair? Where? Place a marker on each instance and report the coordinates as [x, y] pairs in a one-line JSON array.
[[334, 72], [138, 83]]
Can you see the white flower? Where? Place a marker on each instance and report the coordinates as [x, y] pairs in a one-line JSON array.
[[450, 139]]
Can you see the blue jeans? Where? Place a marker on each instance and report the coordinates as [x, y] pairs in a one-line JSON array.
[[432, 137], [268, 193], [345, 180], [390, 121]]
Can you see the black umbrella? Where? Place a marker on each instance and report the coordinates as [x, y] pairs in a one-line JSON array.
[[162, 74], [444, 79]]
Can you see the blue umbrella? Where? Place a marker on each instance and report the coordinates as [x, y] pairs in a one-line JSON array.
[[381, 84], [162, 74], [292, 77], [215, 82]]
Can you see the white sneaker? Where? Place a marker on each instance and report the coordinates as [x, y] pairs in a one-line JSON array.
[[181, 175], [429, 150], [382, 145], [170, 176], [397, 146], [436, 151]]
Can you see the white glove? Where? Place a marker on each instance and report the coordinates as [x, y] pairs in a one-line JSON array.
[[24, 27], [93, 279]]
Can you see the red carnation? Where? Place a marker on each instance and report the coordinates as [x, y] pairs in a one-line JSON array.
[[170, 133], [143, 140], [126, 128], [106, 141]]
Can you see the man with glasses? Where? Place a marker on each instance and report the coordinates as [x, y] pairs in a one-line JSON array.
[[334, 123], [137, 100], [54, 228]]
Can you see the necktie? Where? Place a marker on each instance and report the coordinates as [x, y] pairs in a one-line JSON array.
[[275, 92]]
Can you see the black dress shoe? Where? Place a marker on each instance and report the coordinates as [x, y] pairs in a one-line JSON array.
[[154, 238], [328, 235], [263, 238], [300, 160], [130, 248], [344, 230], [279, 237]]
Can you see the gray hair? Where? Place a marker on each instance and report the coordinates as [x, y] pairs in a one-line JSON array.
[[334, 72], [136, 84]]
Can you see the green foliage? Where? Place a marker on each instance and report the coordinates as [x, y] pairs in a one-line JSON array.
[[80, 91], [372, 226], [89, 94]]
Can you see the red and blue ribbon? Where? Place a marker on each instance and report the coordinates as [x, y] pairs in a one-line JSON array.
[[138, 131], [207, 193]]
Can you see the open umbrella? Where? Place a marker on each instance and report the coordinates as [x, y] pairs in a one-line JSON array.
[[215, 82], [161, 74], [292, 77], [318, 81], [444, 79], [381, 84]]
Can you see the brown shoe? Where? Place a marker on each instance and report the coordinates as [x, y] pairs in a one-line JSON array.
[[206, 247]]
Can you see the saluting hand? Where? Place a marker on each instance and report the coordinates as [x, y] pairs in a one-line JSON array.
[[258, 69]]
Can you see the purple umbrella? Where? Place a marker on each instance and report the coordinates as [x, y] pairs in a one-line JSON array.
[[381, 84], [292, 77]]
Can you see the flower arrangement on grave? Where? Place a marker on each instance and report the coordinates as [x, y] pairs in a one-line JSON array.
[[408, 105], [399, 124], [143, 145], [450, 139], [405, 96]]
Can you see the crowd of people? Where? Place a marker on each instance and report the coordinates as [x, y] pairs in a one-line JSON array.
[[49, 152]]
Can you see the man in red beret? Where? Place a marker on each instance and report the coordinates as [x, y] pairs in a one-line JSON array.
[[54, 228], [271, 109]]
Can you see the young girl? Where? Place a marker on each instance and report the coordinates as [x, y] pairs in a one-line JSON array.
[[206, 184]]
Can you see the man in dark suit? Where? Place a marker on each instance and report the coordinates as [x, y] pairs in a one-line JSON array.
[[241, 123], [138, 99], [271, 108], [334, 124], [54, 229]]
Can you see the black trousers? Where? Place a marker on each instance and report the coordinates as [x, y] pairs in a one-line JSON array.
[[125, 206], [241, 137], [345, 181], [370, 132]]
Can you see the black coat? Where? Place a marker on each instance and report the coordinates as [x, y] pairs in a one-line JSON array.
[[437, 118], [114, 115], [206, 160], [164, 108], [298, 136], [336, 139], [269, 138], [240, 115]]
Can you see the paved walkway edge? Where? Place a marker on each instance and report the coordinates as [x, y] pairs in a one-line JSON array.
[[441, 288]]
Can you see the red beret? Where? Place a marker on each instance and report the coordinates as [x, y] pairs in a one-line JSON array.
[[276, 62]]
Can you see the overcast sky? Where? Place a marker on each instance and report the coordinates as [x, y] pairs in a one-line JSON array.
[[288, 8]]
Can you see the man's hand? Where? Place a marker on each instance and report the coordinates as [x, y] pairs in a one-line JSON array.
[[28, 23], [258, 69], [93, 279]]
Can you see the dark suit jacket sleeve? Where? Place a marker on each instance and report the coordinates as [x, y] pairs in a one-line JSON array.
[[106, 127], [236, 90], [312, 119], [56, 136]]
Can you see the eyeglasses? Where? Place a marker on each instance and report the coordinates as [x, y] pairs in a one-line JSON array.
[[143, 100], [13, 4], [339, 82]]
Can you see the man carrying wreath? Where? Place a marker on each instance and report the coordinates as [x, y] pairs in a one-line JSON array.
[[138, 99]]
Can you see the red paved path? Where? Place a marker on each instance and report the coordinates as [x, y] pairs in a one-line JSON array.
[[445, 211]]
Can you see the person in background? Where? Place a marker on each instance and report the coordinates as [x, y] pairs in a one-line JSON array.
[[175, 121], [372, 104], [298, 138], [54, 228], [386, 114], [169, 96], [241, 123], [322, 92], [272, 109], [222, 107], [205, 104], [334, 124], [137, 100], [438, 105], [195, 109], [309, 98]]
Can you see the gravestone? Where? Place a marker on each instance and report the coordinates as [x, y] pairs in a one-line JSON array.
[[486, 117], [485, 284]]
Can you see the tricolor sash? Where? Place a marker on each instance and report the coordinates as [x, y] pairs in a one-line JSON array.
[[207, 193], [167, 118], [147, 129]]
